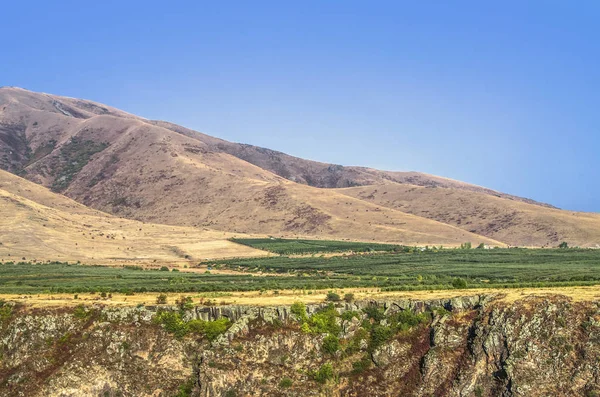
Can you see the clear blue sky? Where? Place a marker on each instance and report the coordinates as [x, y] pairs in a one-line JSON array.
[[504, 95]]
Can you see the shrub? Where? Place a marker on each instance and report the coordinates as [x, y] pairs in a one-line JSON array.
[[298, 309], [185, 390], [407, 319], [184, 303], [161, 299], [333, 297], [331, 344], [174, 323], [361, 365], [374, 313], [323, 321], [349, 298], [324, 373], [210, 329], [563, 245], [459, 283], [164, 269], [379, 335], [285, 383], [80, 312], [6, 312], [348, 315]]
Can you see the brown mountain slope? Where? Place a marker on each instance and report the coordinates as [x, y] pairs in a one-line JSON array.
[[163, 173], [314, 173], [136, 169], [513, 222], [31, 120], [37, 224]]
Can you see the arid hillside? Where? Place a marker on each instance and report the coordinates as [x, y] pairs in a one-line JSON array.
[[158, 172], [39, 225], [511, 221]]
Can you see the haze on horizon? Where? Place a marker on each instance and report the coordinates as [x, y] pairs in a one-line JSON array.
[[503, 96]]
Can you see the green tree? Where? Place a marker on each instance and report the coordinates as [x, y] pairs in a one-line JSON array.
[[349, 297], [331, 344], [298, 309], [333, 297], [459, 283]]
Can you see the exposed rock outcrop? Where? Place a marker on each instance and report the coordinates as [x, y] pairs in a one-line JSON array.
[[472, 346]]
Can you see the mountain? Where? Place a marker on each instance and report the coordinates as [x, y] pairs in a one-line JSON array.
[[40, 225], [158, 172], [514, 222]]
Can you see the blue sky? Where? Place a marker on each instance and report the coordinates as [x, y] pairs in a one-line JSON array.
[[504, 95]]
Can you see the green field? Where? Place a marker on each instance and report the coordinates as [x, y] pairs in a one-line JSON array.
[[297, 247], [430, 269]]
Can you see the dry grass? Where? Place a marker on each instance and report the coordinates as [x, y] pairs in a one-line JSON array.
[[64, 230], [287, 297], [157, 175], [511, 221]]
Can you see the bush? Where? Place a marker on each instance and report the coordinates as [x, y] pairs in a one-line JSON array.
[[459, 283], [324, 373], [174, 323], [349, 315], [80, 312], [349, 298], [563, 245], [210, 329], [374, 313], [298, 309], [184, 303], [164, 269], [361, 365], [322, 322], [6, 312], [379, 335], [161, 299], [333, 297], [285, 383], [331, 344]]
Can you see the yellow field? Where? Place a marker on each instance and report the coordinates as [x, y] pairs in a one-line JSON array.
[[287, 297], [39, 225]]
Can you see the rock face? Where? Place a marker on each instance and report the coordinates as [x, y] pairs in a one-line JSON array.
[[472, 346]]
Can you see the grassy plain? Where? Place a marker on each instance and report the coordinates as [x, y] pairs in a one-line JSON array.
[[397, 271]]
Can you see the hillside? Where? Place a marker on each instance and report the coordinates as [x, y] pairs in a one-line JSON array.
[[158, 172], [37, 224], [510, 221]]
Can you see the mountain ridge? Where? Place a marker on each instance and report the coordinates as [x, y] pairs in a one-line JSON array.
[[159, 172]]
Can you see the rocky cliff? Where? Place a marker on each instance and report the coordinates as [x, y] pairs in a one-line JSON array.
[[471, 346]]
